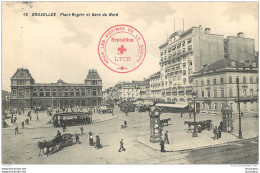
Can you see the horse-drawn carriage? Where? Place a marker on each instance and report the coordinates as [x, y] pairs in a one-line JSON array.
[[201, 125], [55, 144]]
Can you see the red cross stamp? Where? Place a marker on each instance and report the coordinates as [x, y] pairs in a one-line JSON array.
[[122, 48]]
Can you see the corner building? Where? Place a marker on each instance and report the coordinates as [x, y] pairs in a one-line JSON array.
[[186, 52], [25, 93]]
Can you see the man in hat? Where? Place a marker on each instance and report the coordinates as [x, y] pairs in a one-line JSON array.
[[16, 130], [162, 145], [121, 146], [77, 139], [98, 145], [166, 139]]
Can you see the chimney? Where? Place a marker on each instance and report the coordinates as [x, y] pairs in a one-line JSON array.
[[240, 35], [207, 31]]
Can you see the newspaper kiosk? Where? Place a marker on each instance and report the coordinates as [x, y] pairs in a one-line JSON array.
[[155, 125], [227, 119]]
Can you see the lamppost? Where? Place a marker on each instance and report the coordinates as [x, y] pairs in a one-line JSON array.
[[194, 94], [239, 114]]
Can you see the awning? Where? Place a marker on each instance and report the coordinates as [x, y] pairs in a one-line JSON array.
[[167, 105]]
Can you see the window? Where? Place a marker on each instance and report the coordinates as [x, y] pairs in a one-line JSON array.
[[54, 93], [14, 92], [197, 83], [244, 92], [21, 92], [237, 79], [202, 82], [244, 79], [66, 93], [209, 106], [257, 80], [215, 93], [251, 92], [221, 80], [230, 79], [208, 82], [251, 79], [77, 92], [184, 72], [94, 92], [222, 93], [230, 93], [208, 93], [48, 92], [41, 93], [184, 64], [202, 93], [72, 92], [215, 106], [190, 48], [215, 81], [83, 92], [189, 40]]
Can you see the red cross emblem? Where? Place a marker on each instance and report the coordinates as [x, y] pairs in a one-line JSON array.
[[121, 49]]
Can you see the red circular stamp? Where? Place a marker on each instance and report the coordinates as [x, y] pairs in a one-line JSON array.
[[122, 48]]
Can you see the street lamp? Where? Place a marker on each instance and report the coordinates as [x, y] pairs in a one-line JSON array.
[[194, 94], [239, 114]]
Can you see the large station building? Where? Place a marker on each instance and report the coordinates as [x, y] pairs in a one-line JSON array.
[[25, 93]]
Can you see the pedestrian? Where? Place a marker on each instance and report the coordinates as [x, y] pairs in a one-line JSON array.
[[121, 146], [77, 139], [215, 131], [98, 144], [81, 129], [30, 117], [15, 118], [16, 130], [162, 145], [37, 118], [242, 113], [91, 142], [125, 123], [166, 139], [12, 121], [190, 115], [22, 124], [63, 127]]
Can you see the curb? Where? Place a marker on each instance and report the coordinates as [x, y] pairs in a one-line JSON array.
[[207, 146]]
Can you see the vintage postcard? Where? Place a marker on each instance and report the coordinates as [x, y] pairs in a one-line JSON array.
[[130, 83]]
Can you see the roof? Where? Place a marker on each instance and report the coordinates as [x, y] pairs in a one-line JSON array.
[[93, 75], [223, 63], [168, 105], [22, 73]]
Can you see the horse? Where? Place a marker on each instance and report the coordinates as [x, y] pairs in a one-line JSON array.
[[165, 121], [41, 146], [190, 123], [46, 144]]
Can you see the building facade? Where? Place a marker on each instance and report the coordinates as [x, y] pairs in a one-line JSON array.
[[25, 93], [155, 86], [186, 52], [216, 85]]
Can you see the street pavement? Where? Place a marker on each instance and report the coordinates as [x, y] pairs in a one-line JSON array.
[[179, 133], [22, 148]]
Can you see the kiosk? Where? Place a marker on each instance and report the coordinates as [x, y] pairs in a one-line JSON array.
[[227, 119], [155, 124]]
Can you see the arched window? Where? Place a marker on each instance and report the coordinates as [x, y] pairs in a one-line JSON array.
[[54, 93], [66, 93]]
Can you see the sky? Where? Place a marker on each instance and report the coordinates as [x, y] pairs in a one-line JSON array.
[[66, 47]]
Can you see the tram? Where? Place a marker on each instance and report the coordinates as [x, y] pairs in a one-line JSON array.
[[72, 118]]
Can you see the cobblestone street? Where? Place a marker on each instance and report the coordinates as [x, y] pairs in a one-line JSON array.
[[22, 148]]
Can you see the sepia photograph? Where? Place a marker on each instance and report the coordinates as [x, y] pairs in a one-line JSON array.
[[130, 83]]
